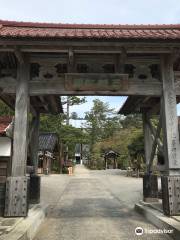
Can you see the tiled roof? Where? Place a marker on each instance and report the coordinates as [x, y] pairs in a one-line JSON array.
[[87, 31], [47, 141], [4, 123]]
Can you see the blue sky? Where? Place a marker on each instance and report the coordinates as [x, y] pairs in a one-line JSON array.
[[93, 11], [114, 102]]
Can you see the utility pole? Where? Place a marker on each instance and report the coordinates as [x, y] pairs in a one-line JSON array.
[[68, 104]]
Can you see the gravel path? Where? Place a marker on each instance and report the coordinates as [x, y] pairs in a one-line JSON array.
[[93, 205]]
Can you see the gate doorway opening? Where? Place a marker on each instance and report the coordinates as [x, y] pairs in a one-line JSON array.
[[41, 62]]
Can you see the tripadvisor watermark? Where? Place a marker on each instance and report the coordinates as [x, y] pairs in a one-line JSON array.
[[140, 231]]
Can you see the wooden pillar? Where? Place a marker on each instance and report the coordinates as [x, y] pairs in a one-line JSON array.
[[17, 183], [35, 181], [44, 162], [170, 181], [170, 120], [114, 163], [105, 162], [120, 60], [148, 142], [60, 156], [34, 142]]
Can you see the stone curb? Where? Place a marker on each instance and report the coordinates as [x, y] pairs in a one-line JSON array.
[[27, 228], [158, 219]]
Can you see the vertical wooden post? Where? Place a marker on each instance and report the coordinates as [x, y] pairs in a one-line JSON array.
[[20, 143], [34, 142], [70, 69], [170, 182], [148, 142], [35, 181], [105, 163], [44, 162], [17, 183], [170, 121], [60, 156], [120, 60], [116, 164]]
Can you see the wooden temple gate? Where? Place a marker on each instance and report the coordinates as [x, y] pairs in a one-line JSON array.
[[40, 62]]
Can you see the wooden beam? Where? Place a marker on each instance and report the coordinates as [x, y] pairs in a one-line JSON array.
[[89, 84], [154, 145], [53, 104], [57, 86], [8, 100], [170, 121], [48, 43], [91, 50], [44, 103], [153, 132], [96, 58]]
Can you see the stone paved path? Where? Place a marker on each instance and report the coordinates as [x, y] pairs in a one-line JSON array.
[[93, 205]]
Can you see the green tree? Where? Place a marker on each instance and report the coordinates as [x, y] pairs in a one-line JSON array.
[[60, 124], [101, 121], [74, 116], [71, 101], [136, 151], [109, 131], [132, 120], [5, 110], [68, 134]]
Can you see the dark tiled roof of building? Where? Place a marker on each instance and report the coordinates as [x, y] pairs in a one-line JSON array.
[[87, 31], [111, 153], [4, 123], [47, 141]]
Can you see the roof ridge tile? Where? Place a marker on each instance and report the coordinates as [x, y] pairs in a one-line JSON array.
[[87, 26]]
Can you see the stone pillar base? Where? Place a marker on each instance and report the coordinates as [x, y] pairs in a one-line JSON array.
[[34, 194], [150, 188], [2, 198], [171, 195]]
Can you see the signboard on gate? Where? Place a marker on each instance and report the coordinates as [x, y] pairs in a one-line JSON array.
[[96, 82]]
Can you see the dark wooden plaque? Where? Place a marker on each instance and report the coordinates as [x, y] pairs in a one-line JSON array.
[[96, 82]]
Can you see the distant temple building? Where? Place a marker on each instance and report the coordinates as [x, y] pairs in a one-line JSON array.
[[49, 153], [81, 153]]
